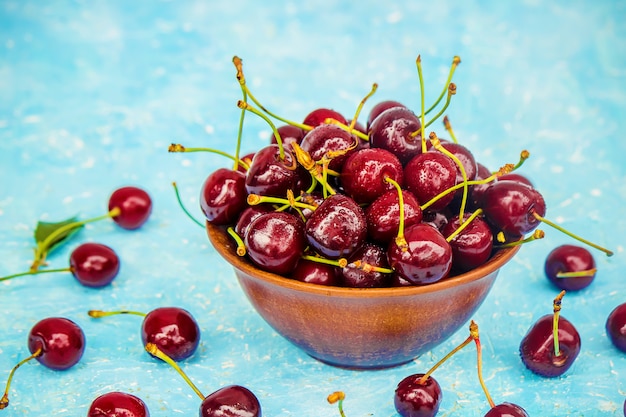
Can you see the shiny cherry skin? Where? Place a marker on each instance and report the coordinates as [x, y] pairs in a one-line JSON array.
[[270, 175], [392, 130], [413, 399], [223, 196], [248, 215], [173, 330], [318, 117], [363, 174], [537, 347], [515, 176], [509, 207], [429, 174], [62, 342], [427, 259], [507, 409], [337, 228], [316, 273], [94, 264], [360, 277], [135, 207], [118, 404], [329, 141], [465, 156], [616, 327], [570, 258], [231, 401], [383, 215], [477, 191], [380, 107], [288, 134], [472, 246], [275, 242]]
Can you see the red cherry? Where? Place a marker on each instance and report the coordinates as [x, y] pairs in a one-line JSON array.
[[429, 174], [361, 276], [315, 273], [94, 264], [173, 330], [231, 401], [118, 404], [616, 327], [134, 204], [415, 399], [472, 246], [62, 342], [223, 196], [573, 260], [381, 107], [329, 141], [506, 410], [392, 130], [318, 117], [383, 215]]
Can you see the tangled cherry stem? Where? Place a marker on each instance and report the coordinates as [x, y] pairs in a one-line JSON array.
[[4, 401], [152, 349], [337, 397], [556, 307]]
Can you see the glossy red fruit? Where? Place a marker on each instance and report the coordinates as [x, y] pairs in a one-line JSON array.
[[360, 275], [135, 207], [118, 404], [506, 410], [173, 330], [318, 117], [316, 273], [616, 327], [223, 196], [329, 141], [94, 264], [62, 342], [429, 174], [270, 175], [231, 401], [392, 130], [275, 242], [514, 176], [383, 215], [427, 258], [566, 259], [472, 246], [380, 107], [289, 134], [537, 347], [413, 399], [248, 215]]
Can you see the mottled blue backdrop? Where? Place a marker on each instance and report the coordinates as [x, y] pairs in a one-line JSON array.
[[93, 92]]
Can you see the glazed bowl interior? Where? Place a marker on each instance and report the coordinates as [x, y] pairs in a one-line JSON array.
[[362, 328]]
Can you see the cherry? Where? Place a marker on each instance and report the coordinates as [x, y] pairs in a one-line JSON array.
[[514, 176], [231, 401], [118, 404], [223, 196], [466, 158], [424, 258], [92, 264], [288, 134], [272, 174], [248, 215], [551, 345], [472, 246], [381, 107], [570, 267], [506, 409], [56, 342], [392, 130], [616, 327], [428, 175], [477, 191], [363, 173], [331, 142], [134, 206], [315, 273], [383, 215], [337, 228], [275, 242], [367, 268], [319, 116], [414, 398]]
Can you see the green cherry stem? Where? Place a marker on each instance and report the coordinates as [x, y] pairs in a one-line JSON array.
[[448, 127], [152, 349], [241, 79], [479, 363], [556, 307], [455, 63], [360, 106], [573, 274], [337, 397], [241, 247], [35, 272], [96, 314], [537, 234], [463, 225], [418, 63], [341, 262], [451, 92], [255, 199], [400, 239], [182, 206], [281, 150], [349, 128], [4, 401], [317, 172], [178, 148], [437, 145]]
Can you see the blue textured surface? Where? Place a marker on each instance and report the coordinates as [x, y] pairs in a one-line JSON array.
[[92, 93]]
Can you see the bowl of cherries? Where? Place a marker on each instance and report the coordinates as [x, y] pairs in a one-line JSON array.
[[366, 244]]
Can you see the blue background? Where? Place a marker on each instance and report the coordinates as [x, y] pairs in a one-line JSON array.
[[93, 92]]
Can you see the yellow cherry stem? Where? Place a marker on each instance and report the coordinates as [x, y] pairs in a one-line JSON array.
[[96, 314], [418, 63], [337, 397], [361, 104], [4, 401], [178, 148], [400, 239], [556, 307], [152, 349], [455, 63], [479, 362]]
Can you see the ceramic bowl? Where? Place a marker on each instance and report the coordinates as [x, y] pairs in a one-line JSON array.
[[362, 328]]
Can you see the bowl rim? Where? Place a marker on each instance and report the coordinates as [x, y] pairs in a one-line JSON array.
[[225, 246]]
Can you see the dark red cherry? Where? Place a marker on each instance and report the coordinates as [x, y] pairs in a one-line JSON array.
[[248, 215], [506, 410], [118, 404], [477, 191], [415, 399], [383, 215], [392, 130], [247, 158], [173, 330], [437, 218], [223, 196], [275, 242], [429, 174], [363, 174], [316, 273], [465, 156], [472, 246], [329, 141], [514, 176], [358, 272], [94, 264], [570, 259], [509, 207], [288, 134], [318, 117], [269, 175], [616, 327], [231, 401], [135, 207], [537, 349], [427, 257], [62, 342], [381, 107], [337, 228]]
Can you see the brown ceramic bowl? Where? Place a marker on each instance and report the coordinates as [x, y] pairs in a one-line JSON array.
[[362, 328]]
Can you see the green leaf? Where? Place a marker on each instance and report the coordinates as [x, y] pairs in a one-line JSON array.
[[45, 230]]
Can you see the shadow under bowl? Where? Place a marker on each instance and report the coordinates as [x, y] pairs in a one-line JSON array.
[[362, 328]]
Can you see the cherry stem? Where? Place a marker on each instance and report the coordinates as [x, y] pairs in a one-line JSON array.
[[448, 126], [337, 397], [281, 150], [96, 314], [556, 307], [44, 246], [455, 63], [463, 225], [241, 247], [239, 66], [4, 401], [418, 63], [152, 349], [561, 229], [425, 377], [537, 234], [182, 206], [361, 104], [255, 199], [364, 266], [305, 159], [400, 239], [437, 145], [36, 272], [451, 92], [341, 262], [178, 148], [479, 362], [573, 274], [349, 128]]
